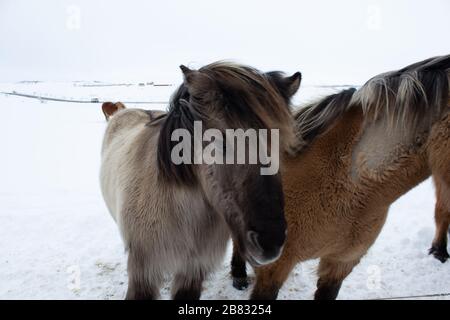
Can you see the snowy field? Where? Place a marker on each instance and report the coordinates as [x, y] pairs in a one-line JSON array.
[[57, 240]]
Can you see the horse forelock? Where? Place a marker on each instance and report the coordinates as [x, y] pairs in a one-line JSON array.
[[250, 95], [249, 100]]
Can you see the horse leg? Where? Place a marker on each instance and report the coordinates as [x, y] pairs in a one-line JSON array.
[[439, 160], [238, 269], [270, 278], [187, 284], [331, 274], [442, 218], [142, 285]]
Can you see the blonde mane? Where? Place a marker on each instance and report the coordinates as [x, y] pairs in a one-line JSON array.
[[416, 94], [409, 98]]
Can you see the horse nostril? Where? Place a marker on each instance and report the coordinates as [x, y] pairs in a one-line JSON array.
[[252, 237]]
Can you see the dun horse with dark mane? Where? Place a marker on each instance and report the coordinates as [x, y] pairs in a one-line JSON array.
[[176, 219], [362, 150]]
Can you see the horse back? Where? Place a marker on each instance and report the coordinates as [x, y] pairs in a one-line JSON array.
[[128, 149]]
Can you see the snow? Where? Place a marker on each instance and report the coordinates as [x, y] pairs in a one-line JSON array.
[[58, 241]]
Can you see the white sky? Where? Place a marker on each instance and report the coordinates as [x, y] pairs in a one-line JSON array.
[[344, 41]]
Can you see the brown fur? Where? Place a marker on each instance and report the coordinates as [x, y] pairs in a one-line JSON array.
[[338, 189]]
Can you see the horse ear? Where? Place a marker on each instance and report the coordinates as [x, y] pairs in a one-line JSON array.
[[287, 86], [197, 83], [109, 108], [292, 83]]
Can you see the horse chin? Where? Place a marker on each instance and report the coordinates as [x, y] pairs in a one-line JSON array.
[[256, 255], [254, 262], [258, 260]]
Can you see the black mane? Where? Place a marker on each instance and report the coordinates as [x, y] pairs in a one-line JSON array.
[[315, 118], [179, 116]]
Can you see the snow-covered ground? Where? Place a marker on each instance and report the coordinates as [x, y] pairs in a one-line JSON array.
[[57, 240]]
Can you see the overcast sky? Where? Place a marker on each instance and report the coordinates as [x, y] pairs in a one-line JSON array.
[[329, 41]]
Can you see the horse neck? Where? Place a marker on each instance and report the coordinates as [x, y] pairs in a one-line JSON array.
[[364, 158], [339, 140], [327, 156]]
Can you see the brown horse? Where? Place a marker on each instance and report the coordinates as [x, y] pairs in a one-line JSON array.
[[175, 218], [361, 151]]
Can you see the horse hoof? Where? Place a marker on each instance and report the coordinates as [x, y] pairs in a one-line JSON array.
[[240, 283], [439, 253]]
